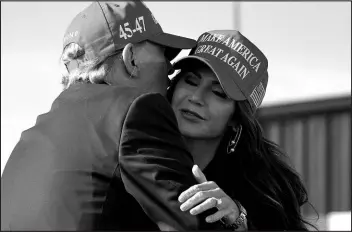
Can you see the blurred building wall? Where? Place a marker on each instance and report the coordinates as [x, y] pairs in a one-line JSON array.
[[316, 135]]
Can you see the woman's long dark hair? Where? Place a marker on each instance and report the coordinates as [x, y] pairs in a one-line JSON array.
[[257, 176], [276, 190]]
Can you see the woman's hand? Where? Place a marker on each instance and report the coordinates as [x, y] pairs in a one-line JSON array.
[[206, 195]]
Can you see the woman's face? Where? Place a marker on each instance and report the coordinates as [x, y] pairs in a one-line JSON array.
[[202, 108]]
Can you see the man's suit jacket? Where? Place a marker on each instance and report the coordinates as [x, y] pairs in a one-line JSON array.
[[69, 172]]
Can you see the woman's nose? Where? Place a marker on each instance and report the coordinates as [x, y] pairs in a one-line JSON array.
[[197, 98]]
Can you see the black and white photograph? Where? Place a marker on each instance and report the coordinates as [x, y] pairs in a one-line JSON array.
[[176, 115]]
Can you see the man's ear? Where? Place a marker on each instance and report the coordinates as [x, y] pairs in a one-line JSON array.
[[128, 56]]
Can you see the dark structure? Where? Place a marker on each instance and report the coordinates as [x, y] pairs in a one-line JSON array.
[[316, 135]]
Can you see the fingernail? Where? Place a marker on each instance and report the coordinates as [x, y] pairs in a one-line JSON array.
[[192, 212], [182, 207], [208, 219], [180, 198]]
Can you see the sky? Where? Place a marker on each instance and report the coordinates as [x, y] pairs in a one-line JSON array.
[[308, 45]]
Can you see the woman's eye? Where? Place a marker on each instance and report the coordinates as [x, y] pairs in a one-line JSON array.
[[220, 94], [191, 80]]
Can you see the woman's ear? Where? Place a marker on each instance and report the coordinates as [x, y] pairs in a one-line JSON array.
[[232, 123], [128, 57]]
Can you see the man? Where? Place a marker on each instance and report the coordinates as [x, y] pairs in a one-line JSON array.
[[66, 172]]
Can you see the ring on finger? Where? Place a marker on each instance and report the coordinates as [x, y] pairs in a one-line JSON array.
[[218, 202]]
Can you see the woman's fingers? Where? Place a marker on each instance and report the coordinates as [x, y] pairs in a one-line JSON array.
[[198, 174], [200, 197], [207, 204], [185, 195], [218, 215]]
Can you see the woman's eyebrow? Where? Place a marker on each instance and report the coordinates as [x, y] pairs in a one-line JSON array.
[[199, 76], [194, 73]]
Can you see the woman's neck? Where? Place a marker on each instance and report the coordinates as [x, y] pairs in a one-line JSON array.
[[203, 151]]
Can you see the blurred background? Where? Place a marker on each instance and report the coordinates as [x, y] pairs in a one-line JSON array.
[[306, 110]]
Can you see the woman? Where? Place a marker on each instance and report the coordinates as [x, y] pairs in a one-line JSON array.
[[214, 97]]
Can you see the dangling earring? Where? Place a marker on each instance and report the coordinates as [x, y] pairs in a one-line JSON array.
[[234, 140]]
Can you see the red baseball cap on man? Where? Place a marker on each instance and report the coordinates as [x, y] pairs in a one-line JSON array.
[[106, 27]]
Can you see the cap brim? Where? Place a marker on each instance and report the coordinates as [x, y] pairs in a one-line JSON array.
[[226, 81], [173, 43]]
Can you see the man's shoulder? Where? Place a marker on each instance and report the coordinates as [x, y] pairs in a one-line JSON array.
[[151, 102]]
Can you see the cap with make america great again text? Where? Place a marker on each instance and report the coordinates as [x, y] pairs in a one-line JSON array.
[[242, 69]]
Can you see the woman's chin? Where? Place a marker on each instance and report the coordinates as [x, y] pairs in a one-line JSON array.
[[191, 129], [191, 133]]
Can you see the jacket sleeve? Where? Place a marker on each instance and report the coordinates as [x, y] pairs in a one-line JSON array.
[[155, 165]]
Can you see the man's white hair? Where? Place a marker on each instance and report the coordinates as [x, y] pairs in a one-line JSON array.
[[93, 71]]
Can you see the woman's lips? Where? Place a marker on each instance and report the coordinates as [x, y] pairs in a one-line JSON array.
[[189, 114]]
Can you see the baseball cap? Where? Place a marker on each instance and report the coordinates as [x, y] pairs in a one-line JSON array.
[[242, 69], [106, 27]]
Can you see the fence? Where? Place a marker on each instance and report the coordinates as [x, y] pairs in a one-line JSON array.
[[317, 137]]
